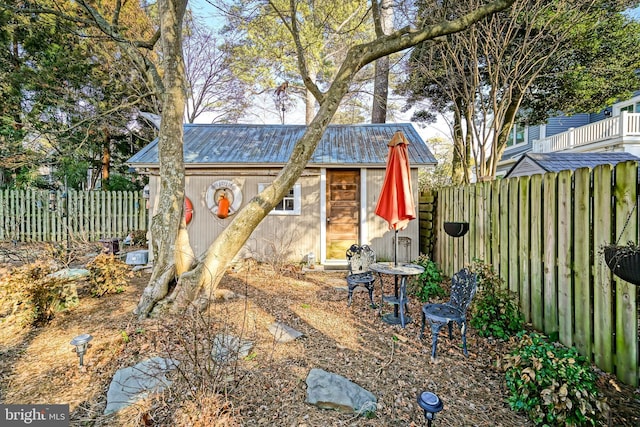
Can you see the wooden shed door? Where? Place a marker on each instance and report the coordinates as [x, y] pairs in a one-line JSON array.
[[343, 211]]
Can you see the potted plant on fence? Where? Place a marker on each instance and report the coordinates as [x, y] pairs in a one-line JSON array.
[[624, 261]]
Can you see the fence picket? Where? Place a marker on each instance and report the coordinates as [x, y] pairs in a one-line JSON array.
[[549, 218], [513, 218], [493, 239], [536, 256], [523, 248], [503, 220], [564, 314], [602, 291], [626, 320], [582, 271]]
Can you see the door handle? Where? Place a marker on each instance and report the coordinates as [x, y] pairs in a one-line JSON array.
[[328, 220]]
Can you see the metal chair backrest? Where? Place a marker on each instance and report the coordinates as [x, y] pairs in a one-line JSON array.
[[463, 287], [360, 258]]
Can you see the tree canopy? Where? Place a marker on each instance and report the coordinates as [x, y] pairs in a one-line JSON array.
[[66, 101], [521, 66]]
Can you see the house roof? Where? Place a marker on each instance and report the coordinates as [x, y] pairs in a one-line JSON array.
[[532, 163], [207, 145]]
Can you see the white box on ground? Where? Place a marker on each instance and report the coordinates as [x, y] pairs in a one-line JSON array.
[[140, 257]]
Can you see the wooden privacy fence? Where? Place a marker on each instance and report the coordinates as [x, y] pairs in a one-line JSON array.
[[544, 235], [41, 216]]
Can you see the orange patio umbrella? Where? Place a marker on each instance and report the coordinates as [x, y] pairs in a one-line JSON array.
[[395, 203]]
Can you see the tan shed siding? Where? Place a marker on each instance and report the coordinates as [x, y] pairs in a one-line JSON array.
[[380, 237], [291, 236]]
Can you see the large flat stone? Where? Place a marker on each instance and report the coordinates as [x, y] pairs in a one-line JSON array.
[[137, 382], [332, 391]]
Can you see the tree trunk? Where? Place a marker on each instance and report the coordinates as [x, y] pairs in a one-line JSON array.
[[458, 162], [172, 254], [380, 91], [310, 101], [310, 107], [384, 25], [199, 285], [106, 160]]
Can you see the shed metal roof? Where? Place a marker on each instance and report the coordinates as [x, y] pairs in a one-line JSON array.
[[268, 145], [556, 162]]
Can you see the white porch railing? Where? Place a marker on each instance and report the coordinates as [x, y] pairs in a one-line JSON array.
[[612, 129]]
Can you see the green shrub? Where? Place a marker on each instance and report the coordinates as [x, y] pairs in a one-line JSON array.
[[495, 310], [107, 275], [553, 384], [35, 295], [427, 284]]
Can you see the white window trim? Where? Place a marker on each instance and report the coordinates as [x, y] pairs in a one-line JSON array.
[[297, 200]]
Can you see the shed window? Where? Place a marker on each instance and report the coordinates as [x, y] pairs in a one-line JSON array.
[[290, 204]]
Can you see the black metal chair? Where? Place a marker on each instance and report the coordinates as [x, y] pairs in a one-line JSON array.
[[359, 259], [463, 288]]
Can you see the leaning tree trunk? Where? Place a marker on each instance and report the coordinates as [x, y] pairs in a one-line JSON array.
[[172, 254], [196, 287]]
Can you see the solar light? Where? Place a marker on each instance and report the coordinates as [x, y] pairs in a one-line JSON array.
[[431, 405], [81, 342]]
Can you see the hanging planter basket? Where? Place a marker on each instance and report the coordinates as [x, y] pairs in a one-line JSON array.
[[624, 262], [456, 229]]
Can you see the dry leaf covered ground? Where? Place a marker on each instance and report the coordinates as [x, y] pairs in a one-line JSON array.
[[267, 388]]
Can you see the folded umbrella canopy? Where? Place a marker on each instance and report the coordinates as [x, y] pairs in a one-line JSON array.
[[395, 203]]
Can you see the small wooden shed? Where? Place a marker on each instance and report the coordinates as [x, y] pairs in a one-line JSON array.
[[329, 208]]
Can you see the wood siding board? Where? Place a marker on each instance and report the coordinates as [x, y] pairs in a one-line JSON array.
[[603, 289], [626, 297], [549, 256], [582, 271], [536, 255], [565, 307]]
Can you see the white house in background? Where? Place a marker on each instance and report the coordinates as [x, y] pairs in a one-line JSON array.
[[615, 129]]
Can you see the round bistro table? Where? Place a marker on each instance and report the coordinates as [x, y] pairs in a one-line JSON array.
[[399, 299]]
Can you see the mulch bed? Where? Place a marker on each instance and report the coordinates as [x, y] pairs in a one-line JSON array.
[[267, 388]]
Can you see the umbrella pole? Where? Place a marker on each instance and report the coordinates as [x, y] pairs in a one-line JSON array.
[[395, 249], [395, 277]]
